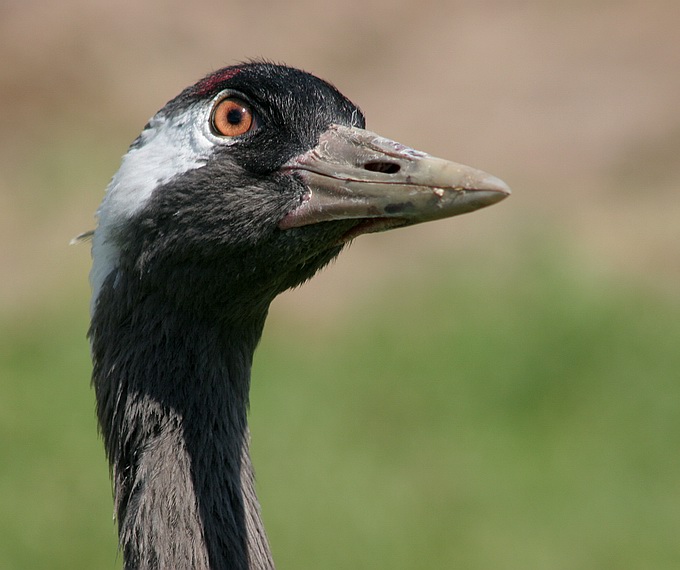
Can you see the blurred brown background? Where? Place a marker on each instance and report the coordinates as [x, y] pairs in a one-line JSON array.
[[575, 105]]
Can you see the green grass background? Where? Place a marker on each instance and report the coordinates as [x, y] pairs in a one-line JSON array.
[[494, 392], [481, 413]]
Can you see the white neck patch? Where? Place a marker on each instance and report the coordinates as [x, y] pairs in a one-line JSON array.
[[168, 147]]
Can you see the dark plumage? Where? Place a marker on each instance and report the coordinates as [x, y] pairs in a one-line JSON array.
[[198, 232]]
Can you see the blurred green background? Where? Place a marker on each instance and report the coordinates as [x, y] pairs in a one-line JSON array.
[[499, 390]]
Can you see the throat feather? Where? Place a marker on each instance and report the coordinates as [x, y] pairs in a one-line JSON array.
[[172, 398]]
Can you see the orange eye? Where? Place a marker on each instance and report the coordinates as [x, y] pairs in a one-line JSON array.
[[232, 118]]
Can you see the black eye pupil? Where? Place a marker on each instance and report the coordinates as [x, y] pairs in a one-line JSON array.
[[234, 116]]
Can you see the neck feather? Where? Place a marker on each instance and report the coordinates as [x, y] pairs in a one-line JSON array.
[[172, 398]]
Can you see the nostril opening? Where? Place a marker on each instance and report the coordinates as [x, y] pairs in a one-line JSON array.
[[383, 166]]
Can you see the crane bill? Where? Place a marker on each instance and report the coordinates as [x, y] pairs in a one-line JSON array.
[[356, 174]]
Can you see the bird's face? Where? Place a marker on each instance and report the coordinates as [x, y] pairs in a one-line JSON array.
[[252, 179]]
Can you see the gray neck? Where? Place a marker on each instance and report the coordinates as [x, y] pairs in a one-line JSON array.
[[172, 398]]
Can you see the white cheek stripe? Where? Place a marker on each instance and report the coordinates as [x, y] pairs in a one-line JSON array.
[[169, 147]]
